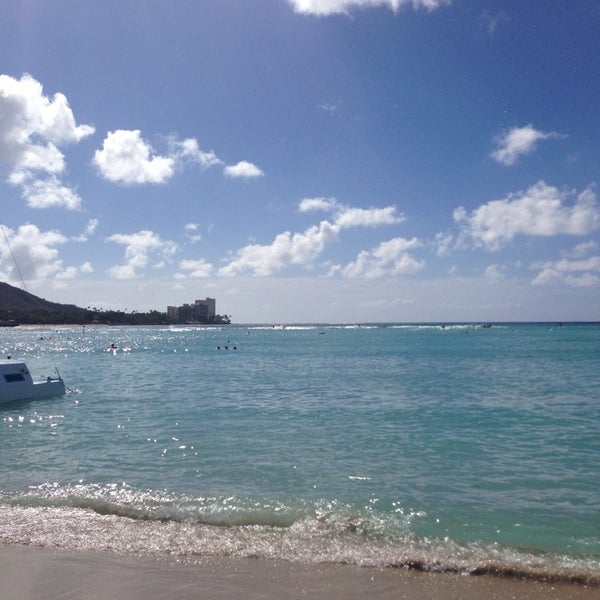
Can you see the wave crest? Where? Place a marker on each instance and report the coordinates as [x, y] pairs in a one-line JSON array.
[[122, 519]]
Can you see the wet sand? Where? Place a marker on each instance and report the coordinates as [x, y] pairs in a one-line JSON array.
[[32, 573]]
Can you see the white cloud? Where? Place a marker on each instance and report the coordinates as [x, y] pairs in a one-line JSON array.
[[584, 272], [31, 254], [243, 169], [127, 158], [444, 243], [37, 160], [195, 268], [581, 250], [68, 273], [359, 217], [44, 193], [388, 258], [188, 150], [90, 228], [302, 249], [32, 127], [139, 247], [286, 249], [517, 142], [348, 216], [331, 7], [314, 204], [190, 230], [539, 211]]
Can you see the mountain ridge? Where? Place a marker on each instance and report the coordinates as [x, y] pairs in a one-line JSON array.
[[16, 299]]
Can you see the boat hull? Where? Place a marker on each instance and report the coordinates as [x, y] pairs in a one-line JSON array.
[[16, 384]]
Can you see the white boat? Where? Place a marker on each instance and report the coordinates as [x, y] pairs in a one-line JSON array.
[[16, 383]]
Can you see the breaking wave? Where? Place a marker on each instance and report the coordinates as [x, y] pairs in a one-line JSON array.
[[124, 520]]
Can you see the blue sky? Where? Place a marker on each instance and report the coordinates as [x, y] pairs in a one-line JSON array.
[[304, 160]]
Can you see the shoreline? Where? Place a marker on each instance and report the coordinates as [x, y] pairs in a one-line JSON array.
[[39, 573]]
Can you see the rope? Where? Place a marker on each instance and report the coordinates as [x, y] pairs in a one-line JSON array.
[[14, 259]]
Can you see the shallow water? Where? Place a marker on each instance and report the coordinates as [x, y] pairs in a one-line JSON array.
[[459, 448]]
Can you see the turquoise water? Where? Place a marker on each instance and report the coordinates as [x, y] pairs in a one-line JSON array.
[[459, 448]]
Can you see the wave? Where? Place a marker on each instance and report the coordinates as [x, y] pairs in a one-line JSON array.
[[124, 520]]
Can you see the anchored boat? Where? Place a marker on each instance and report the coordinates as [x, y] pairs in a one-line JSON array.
[[16, 383]]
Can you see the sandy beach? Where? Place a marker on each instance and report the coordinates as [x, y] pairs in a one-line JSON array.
[[31, 573]]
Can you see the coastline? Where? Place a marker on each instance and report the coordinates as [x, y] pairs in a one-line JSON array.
[[38, 573]]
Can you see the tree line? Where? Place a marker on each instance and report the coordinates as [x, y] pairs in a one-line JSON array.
[[90, 316]]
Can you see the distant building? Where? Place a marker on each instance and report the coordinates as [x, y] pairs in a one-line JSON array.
[[202, 311]]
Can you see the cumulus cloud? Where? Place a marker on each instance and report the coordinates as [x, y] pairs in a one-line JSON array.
[[44, 193], [188, 150], [444, 243], [191, 232], [243, 169], [194, 268], [541, 210], [388, 258], [317, 204], [68, 273], [577, 268], [286, 249], [517, 142], [32, 128], [89, 230], [581, 250], [31, 254], [140, 249], [370, 217], [330, 7], [303, 248], [347, 216], [575, 273], [127, 158]]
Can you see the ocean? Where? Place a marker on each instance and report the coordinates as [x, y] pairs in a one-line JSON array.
[[456, 448]]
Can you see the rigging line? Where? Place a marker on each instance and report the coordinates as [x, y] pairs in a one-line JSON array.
[[13, 257]]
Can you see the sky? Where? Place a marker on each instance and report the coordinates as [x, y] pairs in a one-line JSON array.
[[304, 160]]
